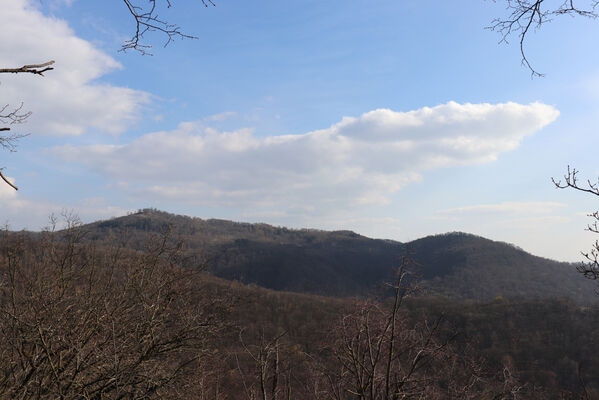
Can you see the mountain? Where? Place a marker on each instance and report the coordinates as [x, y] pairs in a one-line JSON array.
[[342, 263], [546, 343], [469, 267]]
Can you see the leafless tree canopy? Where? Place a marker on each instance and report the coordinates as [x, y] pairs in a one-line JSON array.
[[78, 322], [523, 16], [381, 353], [145, 15]]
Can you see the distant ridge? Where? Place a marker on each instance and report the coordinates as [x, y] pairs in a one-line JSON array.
[[343, 263]]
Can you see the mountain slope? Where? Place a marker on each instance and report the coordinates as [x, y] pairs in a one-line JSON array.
[[343, 263], [463, 266]]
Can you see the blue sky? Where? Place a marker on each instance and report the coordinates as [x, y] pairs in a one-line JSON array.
[[392, 119]]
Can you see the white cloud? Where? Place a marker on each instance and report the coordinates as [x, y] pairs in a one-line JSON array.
[[357, 161], [508, 207], [68, 100]]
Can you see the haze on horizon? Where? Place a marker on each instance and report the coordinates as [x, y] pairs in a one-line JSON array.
[[392, 120]]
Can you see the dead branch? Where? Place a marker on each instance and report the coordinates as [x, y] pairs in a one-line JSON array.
[[37, 69]]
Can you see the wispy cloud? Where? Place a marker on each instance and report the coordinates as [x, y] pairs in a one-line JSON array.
[[508, 207], [221, 116]]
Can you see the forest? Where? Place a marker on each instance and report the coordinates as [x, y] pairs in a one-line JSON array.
[[392, 119], [129, 308]]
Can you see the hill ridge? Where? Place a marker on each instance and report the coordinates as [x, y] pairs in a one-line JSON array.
[[457, 265]]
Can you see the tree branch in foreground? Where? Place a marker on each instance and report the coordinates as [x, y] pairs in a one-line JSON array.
[[16, 116], [147, 20], [37, 69], [589, 268], [525, 16], [7, 181]]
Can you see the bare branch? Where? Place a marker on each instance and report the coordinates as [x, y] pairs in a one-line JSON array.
[[590, 267], [147, 20], [7, 181], [571, 181], [13, 117], [8, 141], [525, 15], [17, 116], [37, 69]]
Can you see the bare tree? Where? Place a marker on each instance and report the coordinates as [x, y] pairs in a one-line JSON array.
[[524, 16], [79, 321], [267, 375], [380, 356], [382, 353]]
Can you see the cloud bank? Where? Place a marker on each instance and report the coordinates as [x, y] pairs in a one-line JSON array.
[[68, 100], [354, 162]]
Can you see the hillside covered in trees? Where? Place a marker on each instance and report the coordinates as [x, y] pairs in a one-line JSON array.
[[134, 308], [342, 263]]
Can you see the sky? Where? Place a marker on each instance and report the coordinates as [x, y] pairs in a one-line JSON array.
[[393, 119]]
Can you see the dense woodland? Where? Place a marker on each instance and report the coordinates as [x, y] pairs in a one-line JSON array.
[[139, 307]]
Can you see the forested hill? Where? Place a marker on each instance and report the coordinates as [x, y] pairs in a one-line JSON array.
[[343, 263]]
